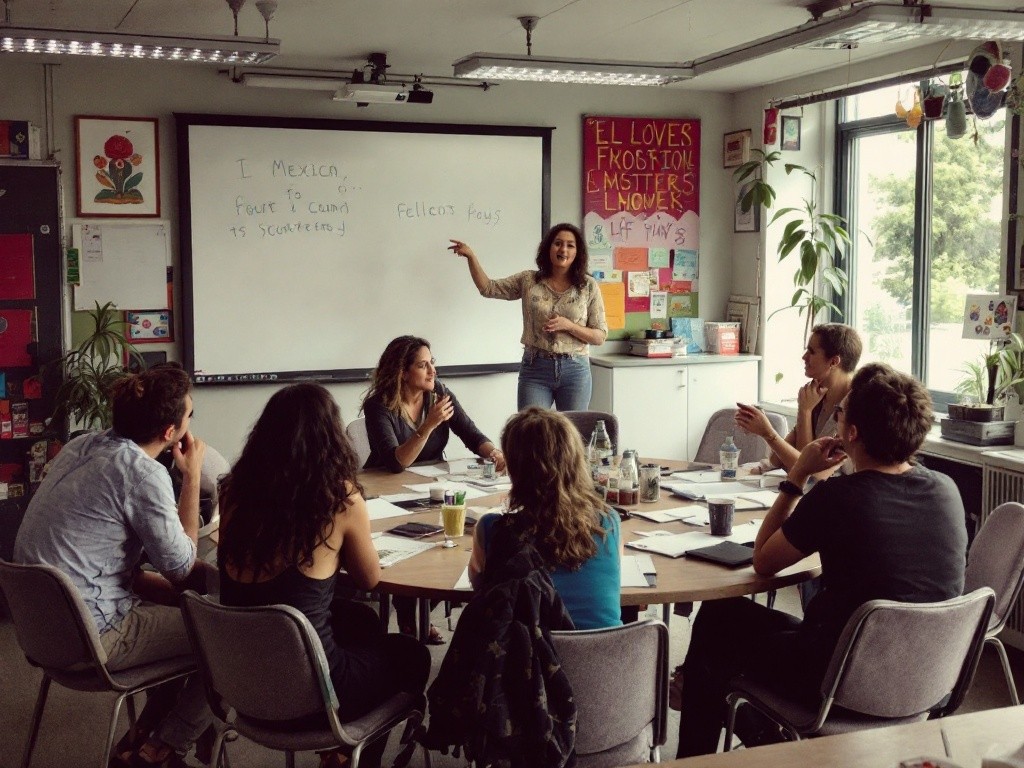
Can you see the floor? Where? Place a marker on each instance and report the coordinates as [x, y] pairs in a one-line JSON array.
[[74, 724]]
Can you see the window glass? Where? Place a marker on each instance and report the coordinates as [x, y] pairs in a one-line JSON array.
[[880, 103]]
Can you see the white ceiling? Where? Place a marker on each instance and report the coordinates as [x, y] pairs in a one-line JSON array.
[[426, 36]]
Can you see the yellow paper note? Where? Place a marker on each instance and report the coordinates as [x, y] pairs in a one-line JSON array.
[[614, 295]]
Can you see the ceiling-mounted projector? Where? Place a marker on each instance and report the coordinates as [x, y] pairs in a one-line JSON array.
[[370, 93]]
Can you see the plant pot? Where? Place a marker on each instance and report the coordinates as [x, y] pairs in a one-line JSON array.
[[976, 412], [933, 106]]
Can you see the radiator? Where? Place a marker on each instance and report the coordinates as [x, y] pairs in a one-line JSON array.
[[999, 485]]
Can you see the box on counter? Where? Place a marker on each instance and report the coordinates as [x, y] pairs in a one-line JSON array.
[[723, 338], [654, 347], [978, 432]]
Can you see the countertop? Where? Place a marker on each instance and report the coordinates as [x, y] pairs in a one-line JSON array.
[[634, 361]]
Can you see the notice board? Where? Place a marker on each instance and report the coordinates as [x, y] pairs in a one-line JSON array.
[[307, 245], [641, 217]]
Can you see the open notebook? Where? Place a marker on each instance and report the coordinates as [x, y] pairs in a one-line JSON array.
[[679, 544]]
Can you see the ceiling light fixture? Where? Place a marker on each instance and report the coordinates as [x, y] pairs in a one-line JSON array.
[[548, 69], [209, 50], [875, 23]]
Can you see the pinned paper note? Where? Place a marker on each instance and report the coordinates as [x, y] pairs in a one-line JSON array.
[[630, 259], [658, 257], [639, 283], [614, 295], [600, 259], [659, 305], [684, 266]]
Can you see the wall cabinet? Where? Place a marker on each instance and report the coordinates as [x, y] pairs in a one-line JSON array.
[[663, 406]]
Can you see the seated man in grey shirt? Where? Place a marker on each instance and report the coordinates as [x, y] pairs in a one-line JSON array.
[[106, 499]]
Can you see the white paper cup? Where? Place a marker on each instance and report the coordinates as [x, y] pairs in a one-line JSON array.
[[437, 493]]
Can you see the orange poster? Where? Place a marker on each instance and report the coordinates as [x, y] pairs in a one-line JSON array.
[[614, 295]]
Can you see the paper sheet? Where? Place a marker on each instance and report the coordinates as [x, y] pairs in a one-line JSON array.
[[397, 498], [698, 491], [681, 543], [697, 476], [429, 470], [381, 509], [394, 549], [464, 583], [667, 515], [471, 493], [634, 570]]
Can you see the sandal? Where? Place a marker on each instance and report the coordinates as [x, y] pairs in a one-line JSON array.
[[434, 636]]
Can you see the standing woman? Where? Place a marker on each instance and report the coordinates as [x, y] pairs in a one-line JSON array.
[[830, 359], [292, 515], [563, 314]]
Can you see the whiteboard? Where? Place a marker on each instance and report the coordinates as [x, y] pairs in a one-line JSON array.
[[307, 245], [123, 263]]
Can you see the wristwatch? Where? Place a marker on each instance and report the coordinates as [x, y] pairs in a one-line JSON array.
[[791, 488]]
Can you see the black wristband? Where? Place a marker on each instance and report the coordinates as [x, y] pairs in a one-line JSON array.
[[791, 488]]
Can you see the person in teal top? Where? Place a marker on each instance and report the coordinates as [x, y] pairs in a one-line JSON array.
[[552, 503]]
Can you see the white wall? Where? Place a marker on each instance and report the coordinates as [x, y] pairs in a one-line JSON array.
[[224, 415]]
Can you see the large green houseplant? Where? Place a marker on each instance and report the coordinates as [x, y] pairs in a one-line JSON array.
[[815, 236], [91, 367], [990, 378]]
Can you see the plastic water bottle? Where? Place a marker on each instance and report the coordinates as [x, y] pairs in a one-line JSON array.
[[599, 454], [629, 479], [729, 458]]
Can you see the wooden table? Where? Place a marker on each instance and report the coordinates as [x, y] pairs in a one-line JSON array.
[[432, 575], [970, 737]]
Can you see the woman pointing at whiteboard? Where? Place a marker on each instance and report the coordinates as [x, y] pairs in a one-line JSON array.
[[563, 314]]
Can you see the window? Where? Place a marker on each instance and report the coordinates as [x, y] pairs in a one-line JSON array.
[[925, 213]]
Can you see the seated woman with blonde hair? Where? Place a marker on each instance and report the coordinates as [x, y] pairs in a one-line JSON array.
[[552, 505]]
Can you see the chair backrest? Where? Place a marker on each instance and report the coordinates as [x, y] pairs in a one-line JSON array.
[[902, 659], [51, 621], [621, 715], [356, 431], [585, 421], [996, 560], [266, 663], [752, 447]]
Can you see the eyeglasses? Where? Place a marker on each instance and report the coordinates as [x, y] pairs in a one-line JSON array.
[[838, 410], [422, 364]]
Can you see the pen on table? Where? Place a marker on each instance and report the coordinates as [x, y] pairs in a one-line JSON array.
[[945, 742]]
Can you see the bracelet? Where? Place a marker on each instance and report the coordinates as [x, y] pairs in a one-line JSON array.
[[791, 488]]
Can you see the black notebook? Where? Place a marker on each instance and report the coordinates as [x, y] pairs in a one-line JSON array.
[[727, 553], [415, 530]]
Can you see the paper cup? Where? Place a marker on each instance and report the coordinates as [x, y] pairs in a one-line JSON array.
[[721, 513], [437, 493]]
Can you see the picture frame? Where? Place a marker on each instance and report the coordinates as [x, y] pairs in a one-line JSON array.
[[790, 132], [749, 221], [118, 164], [148, 326], [736, 148]]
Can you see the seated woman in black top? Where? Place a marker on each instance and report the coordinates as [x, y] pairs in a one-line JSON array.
[[409, 413], [292, 514]]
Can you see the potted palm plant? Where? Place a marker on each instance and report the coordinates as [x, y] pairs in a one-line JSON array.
[[815, 236], [89, 370]]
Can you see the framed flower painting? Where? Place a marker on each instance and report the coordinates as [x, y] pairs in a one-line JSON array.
[[118, 163]]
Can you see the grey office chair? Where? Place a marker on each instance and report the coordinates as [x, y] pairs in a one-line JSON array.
[[622, 717], [267, 679], [894, 663], [356, 432], [996, 560], [752, 447], [57, 634], [585, 421]]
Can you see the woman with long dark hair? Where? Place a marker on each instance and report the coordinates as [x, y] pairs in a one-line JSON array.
[[552, 505], [563, 314], [292, 515]]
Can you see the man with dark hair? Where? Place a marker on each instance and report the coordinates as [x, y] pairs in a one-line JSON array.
[[890, 530], [104, 500]]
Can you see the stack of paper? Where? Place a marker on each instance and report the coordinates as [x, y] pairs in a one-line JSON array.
[[679, 544], [395, 549]]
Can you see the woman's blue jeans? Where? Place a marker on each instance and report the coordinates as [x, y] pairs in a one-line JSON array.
[[564, 381]]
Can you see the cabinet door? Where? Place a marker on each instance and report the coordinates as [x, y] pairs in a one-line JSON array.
[[650, 404], [713, 386]]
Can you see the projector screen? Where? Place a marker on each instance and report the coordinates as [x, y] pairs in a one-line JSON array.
[[307, 245]]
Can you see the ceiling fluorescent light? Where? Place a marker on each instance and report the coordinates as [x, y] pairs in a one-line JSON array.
[[499, 66], [209, 50], [875, 23]]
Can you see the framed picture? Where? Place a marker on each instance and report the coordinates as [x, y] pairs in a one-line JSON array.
[[735, 148], [148, 326], [118, 162], [746, 221], [790, 132]]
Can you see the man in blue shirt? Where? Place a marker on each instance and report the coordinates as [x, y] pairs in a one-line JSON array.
[[104, 500]]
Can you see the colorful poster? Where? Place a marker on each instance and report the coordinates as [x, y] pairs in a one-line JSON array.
[[988, 316], [641, 190]]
